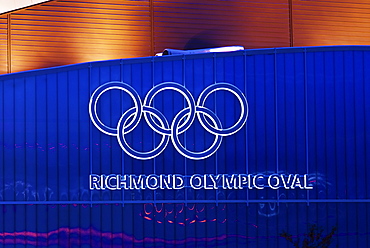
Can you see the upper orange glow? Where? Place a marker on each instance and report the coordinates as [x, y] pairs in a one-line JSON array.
[[67, 32], [82, 33]]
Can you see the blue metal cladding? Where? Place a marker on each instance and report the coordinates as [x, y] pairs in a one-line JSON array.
[[309, 113]]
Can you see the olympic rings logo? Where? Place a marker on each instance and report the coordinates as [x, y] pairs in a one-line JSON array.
[[158, 122]]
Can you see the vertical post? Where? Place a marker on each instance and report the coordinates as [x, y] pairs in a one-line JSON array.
[[291, 34], [306, 117], [246, 124], [276, 122], [151, 9], [185, 159], [9, 44], [90, 139]]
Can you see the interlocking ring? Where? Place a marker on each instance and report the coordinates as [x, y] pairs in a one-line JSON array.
[[110, 86], [158, 122]]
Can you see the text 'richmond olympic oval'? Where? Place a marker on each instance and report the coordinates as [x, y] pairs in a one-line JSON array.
[[158, 122]]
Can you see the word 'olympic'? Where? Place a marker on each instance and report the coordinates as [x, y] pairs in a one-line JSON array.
[[158, 122]]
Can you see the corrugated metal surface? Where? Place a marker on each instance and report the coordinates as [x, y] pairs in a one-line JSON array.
[[309, 113], [317, 23], [64, 32], [67, 32], [3, 44], [194, 24]]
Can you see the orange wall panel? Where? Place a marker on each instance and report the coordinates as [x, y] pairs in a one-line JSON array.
[[3, 44], [190, 24], [330, 22], [67, 32], [64, 32]]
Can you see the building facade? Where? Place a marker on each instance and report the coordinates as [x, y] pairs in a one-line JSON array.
[[206, 150]]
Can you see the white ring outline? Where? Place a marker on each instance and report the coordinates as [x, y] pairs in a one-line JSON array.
[[214, 144], [94, 113], [201, 104], [121, 134]]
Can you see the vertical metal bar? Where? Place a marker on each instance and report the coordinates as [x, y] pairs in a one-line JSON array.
[[306, 115], [151, 9], [246, 124], [90, 136], [185, 159], [291, 34], [154, 162], [122, 152], [365, 135], [276, 122], [214, 81], [9, 43]]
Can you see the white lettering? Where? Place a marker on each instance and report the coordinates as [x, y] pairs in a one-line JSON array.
[[197, 181], [286, 183], [305, 182], [229, 183], [178, 178], [108, 182], [192, 183], [137, 182], [277, 181], [255, 184], [152, 182], [123, 182], [163, 183], [296, 182], [94, 181], [214, 180]]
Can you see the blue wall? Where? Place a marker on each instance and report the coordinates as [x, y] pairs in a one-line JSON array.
[[309, 113]]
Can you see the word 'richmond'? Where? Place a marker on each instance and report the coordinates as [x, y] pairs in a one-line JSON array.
[[197, 181]]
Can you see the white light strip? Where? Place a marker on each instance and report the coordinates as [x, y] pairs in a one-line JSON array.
[[226, 49]]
